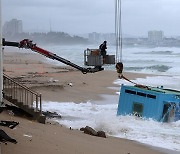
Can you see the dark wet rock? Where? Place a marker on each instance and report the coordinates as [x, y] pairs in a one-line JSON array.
[[91, 131], [101, 134], [51, 114], [82, 129]]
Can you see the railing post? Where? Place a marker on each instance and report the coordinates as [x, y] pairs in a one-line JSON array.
[[22, 94], [31, 100], [40, 101], [36, 103]]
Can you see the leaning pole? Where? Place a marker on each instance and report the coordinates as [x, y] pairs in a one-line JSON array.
[[1, 57]]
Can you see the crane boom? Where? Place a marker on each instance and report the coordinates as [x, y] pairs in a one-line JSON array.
[[27, 44]]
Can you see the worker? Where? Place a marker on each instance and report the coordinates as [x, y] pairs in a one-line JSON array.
[[103, 48]]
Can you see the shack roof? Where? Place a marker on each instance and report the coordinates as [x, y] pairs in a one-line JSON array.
[[157, 90]]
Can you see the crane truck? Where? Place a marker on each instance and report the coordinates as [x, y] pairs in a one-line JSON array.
[[28, 44]]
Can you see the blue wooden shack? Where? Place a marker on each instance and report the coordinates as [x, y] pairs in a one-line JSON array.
[[150, 102]]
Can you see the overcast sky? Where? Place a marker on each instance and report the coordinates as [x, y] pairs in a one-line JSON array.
[[85, 16]]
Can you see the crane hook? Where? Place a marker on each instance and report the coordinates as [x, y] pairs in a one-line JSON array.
[[119, 68]]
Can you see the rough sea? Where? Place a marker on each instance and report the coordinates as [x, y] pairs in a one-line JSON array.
[[101, 115]]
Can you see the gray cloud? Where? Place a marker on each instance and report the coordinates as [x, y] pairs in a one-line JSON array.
[[81, 16]]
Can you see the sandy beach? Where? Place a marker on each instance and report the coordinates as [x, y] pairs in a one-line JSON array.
[[62, 84]]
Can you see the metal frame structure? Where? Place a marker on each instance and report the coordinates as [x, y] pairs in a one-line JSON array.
[[21, 95]]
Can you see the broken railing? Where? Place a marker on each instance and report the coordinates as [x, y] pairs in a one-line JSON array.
[[21, 93]]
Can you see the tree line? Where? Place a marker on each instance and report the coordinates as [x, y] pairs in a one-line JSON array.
[[47, 38]]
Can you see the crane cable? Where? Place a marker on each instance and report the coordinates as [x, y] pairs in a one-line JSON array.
[[118, 31], [118, 36]]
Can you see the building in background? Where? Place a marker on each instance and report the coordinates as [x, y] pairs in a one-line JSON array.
[[100, 37], [155, 36], [94, 37], [12, 27]]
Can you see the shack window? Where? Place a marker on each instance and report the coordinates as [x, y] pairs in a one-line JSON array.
[[141, 94], [130, 92], [151, 96], [137, 109]]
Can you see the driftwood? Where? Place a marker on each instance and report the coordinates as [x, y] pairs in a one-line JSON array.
[[10, 124], [91, 131], [5, 138]]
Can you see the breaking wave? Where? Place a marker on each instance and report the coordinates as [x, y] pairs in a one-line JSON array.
[[156, 52], [103, 117], [157, 68]]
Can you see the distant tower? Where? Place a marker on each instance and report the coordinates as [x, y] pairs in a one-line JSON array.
[[155, 36]]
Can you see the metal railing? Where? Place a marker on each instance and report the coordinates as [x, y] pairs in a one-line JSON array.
[[21, 93]]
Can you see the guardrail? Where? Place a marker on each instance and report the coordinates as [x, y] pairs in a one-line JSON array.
[[21, 93]]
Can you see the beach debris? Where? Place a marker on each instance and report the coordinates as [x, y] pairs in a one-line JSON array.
[[52, 80], [91, 131], [70, 84], [17, 111], [27, 135], [10, 124], [51, 114], [10, 112], [5, 138]]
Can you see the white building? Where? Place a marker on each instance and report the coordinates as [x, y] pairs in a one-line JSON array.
[[94, 37], [12, 27], [100, 37], [155, 36]]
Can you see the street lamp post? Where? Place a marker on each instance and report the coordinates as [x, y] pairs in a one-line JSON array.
[[1, 57]]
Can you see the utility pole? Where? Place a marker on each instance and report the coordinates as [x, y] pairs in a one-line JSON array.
[[1, 57]]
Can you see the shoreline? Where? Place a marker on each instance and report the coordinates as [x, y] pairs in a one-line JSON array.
[[54, 84], [47, 79]]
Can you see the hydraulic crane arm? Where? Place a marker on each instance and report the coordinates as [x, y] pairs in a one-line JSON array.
[[27, 44]]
